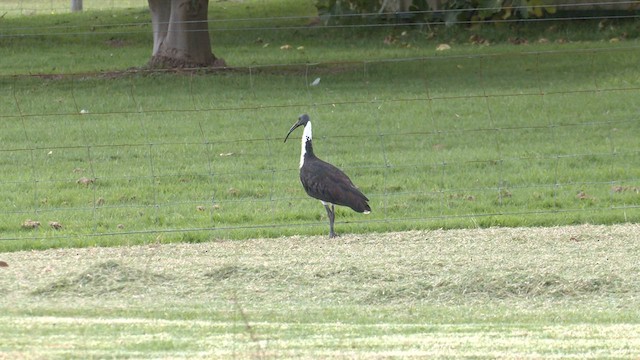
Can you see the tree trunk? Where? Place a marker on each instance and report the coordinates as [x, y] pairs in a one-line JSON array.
[[76, 5], [181, 34]]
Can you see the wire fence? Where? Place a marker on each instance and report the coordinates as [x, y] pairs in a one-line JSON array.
[[31, 7], [489, 138]]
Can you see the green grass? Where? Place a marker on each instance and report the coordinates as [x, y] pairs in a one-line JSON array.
[[502, 135], [437, 142], [119, 38], [570, 292], [13, 8], [475, 137]]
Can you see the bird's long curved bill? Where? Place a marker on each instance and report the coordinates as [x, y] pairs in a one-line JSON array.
[[291, 130]]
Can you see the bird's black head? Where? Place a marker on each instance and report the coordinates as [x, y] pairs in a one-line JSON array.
[[302, 121]]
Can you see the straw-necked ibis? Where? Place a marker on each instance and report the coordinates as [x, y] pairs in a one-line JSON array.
[[324, 181]]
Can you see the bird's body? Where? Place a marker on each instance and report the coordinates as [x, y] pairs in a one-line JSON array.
[[324, 181], [327, 183]]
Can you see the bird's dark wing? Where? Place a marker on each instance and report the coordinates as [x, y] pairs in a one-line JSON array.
[[326, 182]]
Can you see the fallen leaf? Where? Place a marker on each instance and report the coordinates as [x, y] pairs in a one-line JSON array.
[[619, 189], [30, 224], [85, 181], [518, 40], [56, 225], [285, 47], [582, 195], [478, 40], [443, 47], [389, 39]]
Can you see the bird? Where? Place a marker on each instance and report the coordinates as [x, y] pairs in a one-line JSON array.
[[324, 181]]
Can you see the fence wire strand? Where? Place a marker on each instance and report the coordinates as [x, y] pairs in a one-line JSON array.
[[153, 148], [365, 20]]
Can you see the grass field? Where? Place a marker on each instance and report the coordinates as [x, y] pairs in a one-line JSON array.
[[518, 293], [447, 141], [503, 178], [541, 134], [14, 8]]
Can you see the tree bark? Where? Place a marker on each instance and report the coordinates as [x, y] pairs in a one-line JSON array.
[[181, 34], [76, 5]]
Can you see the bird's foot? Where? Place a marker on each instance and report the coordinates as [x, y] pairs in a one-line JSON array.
[[332, 235]]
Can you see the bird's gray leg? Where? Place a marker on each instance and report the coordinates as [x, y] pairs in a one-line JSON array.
[[331, 213]]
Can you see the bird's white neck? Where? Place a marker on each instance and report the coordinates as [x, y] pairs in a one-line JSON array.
[[306, 136]]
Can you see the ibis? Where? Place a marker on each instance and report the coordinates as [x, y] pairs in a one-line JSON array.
[[324, 181]]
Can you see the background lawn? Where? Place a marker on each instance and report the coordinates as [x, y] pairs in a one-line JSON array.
[[517, 139]]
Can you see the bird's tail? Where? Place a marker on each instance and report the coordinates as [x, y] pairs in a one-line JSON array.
[[367, 209]]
